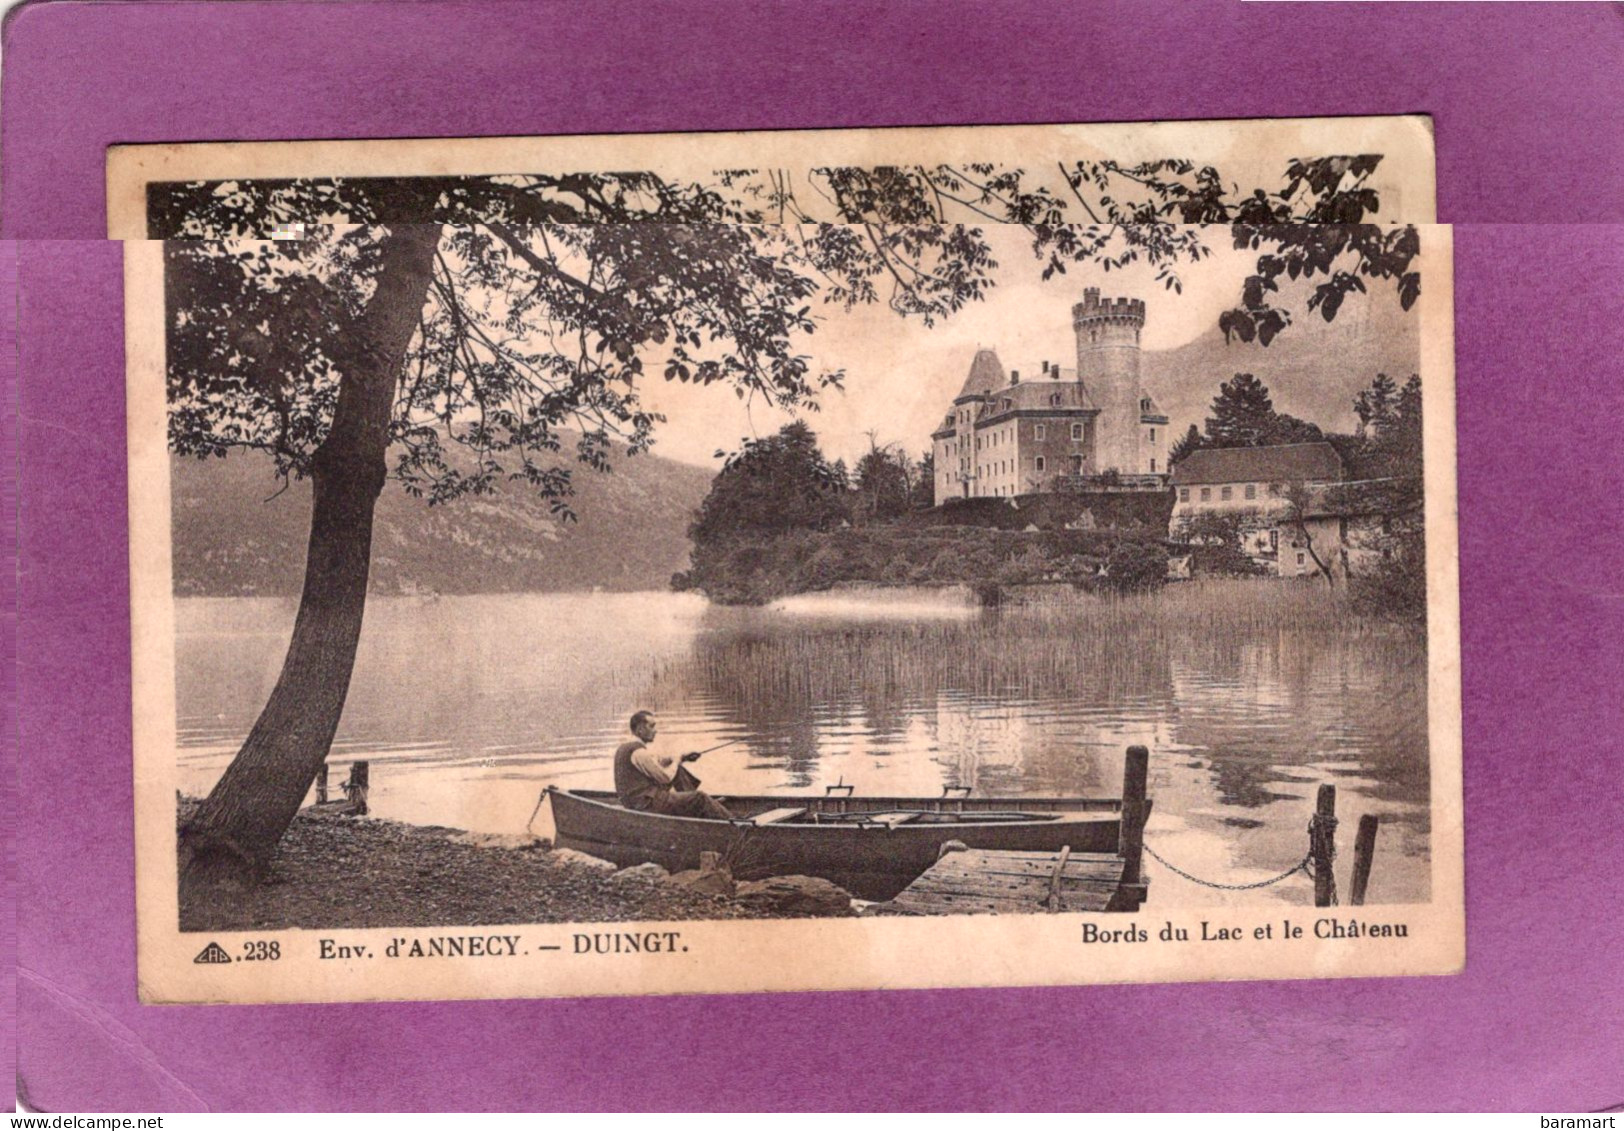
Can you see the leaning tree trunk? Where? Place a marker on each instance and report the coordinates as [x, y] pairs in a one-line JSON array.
[[234, 833], [1308, 542]]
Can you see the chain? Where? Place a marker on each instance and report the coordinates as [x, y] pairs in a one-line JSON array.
[[1301, 866]]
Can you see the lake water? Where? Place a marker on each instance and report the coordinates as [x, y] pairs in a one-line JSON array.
[[1248, 693]]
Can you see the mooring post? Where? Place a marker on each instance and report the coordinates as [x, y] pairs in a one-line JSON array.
[[1131, 842], [1364, 850], [1322, 845], [356, 788], [1057, 879], [321, 785]]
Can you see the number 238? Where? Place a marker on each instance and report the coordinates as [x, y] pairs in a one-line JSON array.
[[259, 950]]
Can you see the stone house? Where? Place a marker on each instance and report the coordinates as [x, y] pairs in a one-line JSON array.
[[1257, 496], [1286, 505]]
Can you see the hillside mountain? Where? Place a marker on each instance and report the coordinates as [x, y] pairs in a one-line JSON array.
[[1311, 375], [232, 539]]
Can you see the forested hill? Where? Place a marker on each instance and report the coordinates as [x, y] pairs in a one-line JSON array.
[[232, 539]]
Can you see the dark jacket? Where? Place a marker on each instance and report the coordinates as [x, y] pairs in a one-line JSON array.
[[633, 785]]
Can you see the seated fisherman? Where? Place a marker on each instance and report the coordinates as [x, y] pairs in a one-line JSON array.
[[648, 781]]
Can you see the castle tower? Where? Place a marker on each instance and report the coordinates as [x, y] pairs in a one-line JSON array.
[[954, 444], [1108, 367]]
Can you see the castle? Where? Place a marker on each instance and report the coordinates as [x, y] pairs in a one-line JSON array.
[[1064, 429]]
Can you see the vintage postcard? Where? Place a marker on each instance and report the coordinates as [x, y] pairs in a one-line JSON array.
[[524, 609], [1196, 172]]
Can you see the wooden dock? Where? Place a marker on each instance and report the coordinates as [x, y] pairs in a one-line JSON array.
[[983, 881], [991, 881]]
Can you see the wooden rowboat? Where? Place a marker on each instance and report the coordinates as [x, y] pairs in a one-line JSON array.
[[871, 846]]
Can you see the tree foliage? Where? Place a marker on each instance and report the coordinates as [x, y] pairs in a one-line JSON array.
[[885, 482], [911, 231], [1191, 441], [1388, 443], [526, 335], [1243, 416], [923, 496], [771, 486]]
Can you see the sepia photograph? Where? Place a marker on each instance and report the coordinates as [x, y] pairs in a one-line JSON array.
[[990, 557], [936, 580]]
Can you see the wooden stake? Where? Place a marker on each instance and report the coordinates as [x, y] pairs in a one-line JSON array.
[[1053, 902], [357, 788], [1364, 850], [321, 785], [1131, 842], [1324, 846]]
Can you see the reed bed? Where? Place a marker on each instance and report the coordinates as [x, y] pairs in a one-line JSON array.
[[1120, 648]]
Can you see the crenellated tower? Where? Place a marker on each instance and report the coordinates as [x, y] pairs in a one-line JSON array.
[[1108, 366]]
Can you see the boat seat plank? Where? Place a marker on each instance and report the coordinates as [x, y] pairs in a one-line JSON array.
[[894, 819], [775, 816]]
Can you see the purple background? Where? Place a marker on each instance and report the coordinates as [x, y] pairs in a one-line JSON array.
[[1525, 103]]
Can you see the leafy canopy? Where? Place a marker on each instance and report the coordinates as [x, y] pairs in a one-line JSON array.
[[771, 486], [552, 299], [1243, 416]]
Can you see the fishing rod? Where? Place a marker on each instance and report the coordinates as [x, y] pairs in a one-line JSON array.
[[779, 732], [724, 745]]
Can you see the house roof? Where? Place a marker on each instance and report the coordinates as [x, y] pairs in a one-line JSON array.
[[1276, 464], [986, 374]]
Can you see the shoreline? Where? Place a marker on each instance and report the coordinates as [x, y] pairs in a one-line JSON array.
[[336, 871]]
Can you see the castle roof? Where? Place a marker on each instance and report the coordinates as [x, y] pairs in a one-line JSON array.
[[1036, 395], [1277, 463], [986, 374]]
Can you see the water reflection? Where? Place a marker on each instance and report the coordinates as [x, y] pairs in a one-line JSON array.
[[466, 706]]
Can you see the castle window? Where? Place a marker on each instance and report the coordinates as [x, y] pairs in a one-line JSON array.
[[1153, 465], [1076, 431], [1153, 440], [1225, 493], [1037, 431], [1299, 559], [1038, 463], [1054, 398], [1251, 490], [1206, 494], [1184, 494]]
